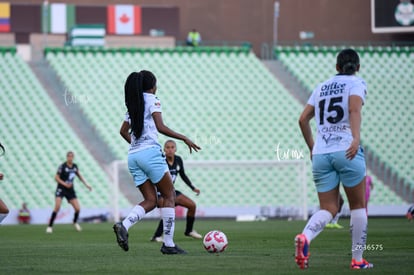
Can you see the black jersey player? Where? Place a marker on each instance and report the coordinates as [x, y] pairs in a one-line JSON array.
[[176, 167], [65, 177]]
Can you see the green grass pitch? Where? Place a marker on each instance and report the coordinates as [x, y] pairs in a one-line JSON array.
[[254, 248]]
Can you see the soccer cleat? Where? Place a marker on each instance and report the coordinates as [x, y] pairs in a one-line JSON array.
[[337, 226], [121, 235], [361, 265], [301, 251], [194, 234], [49, 230], [172, 250], [77, 227], [334, 225], [157, 239]]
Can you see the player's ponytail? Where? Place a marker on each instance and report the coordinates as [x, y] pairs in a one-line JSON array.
[[134, 101], [348, 61], [134, 88]]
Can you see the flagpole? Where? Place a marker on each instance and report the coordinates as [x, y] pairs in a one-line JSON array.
[[276, 11], [45, 13]]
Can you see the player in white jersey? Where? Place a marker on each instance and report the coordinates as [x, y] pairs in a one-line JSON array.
[[337, 155], [146, 162]]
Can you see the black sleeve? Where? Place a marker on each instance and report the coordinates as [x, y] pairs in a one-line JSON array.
[[182, 173]]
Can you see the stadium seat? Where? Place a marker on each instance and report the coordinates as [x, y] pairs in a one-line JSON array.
[[385, 93], [223, 99], [37, 139]]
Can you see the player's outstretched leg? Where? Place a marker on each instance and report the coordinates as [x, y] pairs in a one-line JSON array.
[[188, 203]]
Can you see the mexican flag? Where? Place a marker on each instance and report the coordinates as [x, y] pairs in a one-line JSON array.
[[124, 19], [58, 18]]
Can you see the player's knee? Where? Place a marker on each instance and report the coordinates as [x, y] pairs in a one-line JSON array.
[[192, 206]]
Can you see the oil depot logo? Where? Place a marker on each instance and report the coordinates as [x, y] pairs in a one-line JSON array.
[[404, 13]]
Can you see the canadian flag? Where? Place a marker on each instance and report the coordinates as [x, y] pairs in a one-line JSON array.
[[124, 19]]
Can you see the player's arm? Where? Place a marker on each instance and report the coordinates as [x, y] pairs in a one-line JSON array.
[[61, 182], [1, 176], [355, 107], [124, 131], [304, 124], [185, 178], [83, 180], [163, 129]]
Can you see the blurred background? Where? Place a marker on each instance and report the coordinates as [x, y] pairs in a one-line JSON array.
[[233, 75]]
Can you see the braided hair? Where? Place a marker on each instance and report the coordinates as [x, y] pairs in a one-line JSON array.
[[135, 86]]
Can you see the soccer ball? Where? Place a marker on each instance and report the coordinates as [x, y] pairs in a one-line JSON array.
[[215, 241]]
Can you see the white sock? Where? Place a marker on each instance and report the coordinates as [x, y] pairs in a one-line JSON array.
[[316, 224], [2, 217], [168, 218], [359, 223], [136, 214]]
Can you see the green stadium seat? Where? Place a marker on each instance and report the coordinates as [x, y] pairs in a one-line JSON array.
[[385, 91], [229, 85], [37, 138]]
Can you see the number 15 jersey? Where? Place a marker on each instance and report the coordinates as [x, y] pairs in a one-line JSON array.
[[330, 100]]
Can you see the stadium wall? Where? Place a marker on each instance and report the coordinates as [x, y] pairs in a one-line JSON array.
[[244, 20]]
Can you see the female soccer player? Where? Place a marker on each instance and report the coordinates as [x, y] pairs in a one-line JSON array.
[[176, 166], [4, 211], [336, 155], [64, 177], [146, 161]]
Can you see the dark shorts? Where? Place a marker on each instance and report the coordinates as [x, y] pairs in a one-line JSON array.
[[63, 192]]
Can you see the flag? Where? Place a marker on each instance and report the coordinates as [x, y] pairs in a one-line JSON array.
[[124, 19], [59, 18], [4, 17]]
